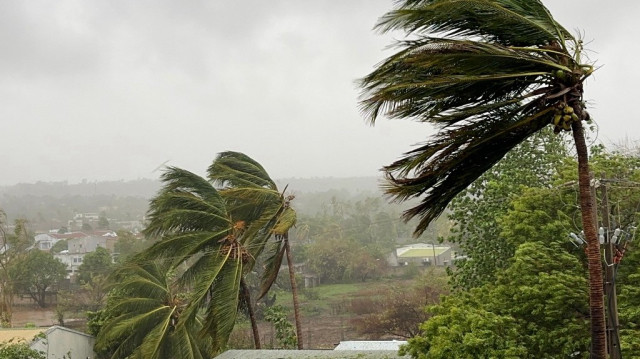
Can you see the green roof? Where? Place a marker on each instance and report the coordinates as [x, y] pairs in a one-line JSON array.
[[422, 252]]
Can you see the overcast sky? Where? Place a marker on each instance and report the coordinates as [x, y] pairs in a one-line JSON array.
[[109, 90]]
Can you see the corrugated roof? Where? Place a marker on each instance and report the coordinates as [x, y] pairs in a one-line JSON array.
[[370, 345], [422, 252], [309, 354]]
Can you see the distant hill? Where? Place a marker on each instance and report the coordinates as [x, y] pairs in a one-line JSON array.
[[138, 188], [353, 185], [50, 204]]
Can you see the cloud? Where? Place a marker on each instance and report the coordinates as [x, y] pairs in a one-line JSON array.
[[110, 89]]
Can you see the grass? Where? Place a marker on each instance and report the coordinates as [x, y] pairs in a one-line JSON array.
[[331, 298]]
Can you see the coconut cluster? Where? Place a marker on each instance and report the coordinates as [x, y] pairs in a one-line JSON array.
[[564, 116]]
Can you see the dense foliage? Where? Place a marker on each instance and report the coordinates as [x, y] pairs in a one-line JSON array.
[[536, 308], [19, 350]]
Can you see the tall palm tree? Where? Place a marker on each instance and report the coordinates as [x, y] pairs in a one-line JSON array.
[[489, 74], [144, 314], [211, 250], [254, 197]]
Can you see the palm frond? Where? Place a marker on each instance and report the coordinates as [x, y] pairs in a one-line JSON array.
[[177, 248], [143, 312], [271, 267], [220, 314], [186, 202], [440, 80], [202, 275], [286, 221], [235, 169], [508, 22], [456, 157]]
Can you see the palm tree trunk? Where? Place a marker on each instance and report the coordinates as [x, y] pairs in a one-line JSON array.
[[596, 295], [294, 291], [252, 316]]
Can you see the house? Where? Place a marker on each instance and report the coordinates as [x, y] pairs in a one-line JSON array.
[[421, 254], [60, 341], [79, 246], [71, 260], [92, 242], [44, 241], [55, 342]]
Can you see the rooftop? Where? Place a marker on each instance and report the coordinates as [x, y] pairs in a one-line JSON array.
[[421, 252], [309, 354], [370, 345]]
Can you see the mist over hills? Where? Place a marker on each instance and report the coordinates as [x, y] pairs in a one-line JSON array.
[[51, 204], [146, 188]]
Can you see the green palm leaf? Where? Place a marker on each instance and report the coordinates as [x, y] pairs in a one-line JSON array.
[[272, 265], [508, 22], [235, 169]]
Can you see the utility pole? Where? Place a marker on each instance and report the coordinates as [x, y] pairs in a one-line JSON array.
[[613, 338]]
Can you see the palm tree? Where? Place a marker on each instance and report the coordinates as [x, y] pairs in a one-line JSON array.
[[211, 250], [143, 316], [254, 197], [489, 74]]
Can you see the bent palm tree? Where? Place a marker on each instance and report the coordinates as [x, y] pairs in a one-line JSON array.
[[253, 197], [200, 237], [489, 73], [143, 317]]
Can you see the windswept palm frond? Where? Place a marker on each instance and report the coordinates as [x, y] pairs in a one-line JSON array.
[[144, 316], [186, 203], [275, 254], [507, 22], [438, 170], [486, 73], [215, 278], [235, 169]]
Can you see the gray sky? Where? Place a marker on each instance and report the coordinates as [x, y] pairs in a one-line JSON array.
[[109, 90]]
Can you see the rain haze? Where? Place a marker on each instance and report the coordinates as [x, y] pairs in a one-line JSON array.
[[110, 90]]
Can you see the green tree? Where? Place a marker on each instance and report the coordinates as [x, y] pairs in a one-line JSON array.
[[537, 308], [19, 350], [628, 280], [145, 317], [36, 273], [197, 232], [12, 248], [96, 263], [285, 333], [489, 74], [216, 235], [476, 210], [329, 258]]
